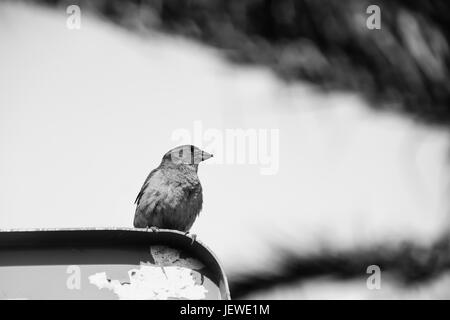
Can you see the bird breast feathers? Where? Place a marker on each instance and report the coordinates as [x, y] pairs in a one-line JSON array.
[[171, 188]]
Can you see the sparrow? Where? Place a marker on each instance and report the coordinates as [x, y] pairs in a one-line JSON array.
[[171, 196]]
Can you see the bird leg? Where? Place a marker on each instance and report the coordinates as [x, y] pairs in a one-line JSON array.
[[164, 271], [192, 236]]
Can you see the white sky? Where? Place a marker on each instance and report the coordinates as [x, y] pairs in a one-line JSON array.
[[85, 115]]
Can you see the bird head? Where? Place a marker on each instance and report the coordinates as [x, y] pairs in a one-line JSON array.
[[186, 155]]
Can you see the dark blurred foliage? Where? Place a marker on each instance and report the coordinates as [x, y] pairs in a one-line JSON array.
[[409, 263], [405, 64]]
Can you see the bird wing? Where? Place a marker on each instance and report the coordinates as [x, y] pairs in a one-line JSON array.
[[144, 186]]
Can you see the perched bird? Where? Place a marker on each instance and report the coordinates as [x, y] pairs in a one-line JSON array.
[[171, 197]]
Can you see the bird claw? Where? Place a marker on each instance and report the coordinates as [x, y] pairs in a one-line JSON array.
[[192, 236], [152, 229]]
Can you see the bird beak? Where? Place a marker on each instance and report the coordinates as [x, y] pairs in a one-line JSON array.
[[206, 155]]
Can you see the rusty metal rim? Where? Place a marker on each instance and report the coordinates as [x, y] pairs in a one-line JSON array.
[[10, 238]]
